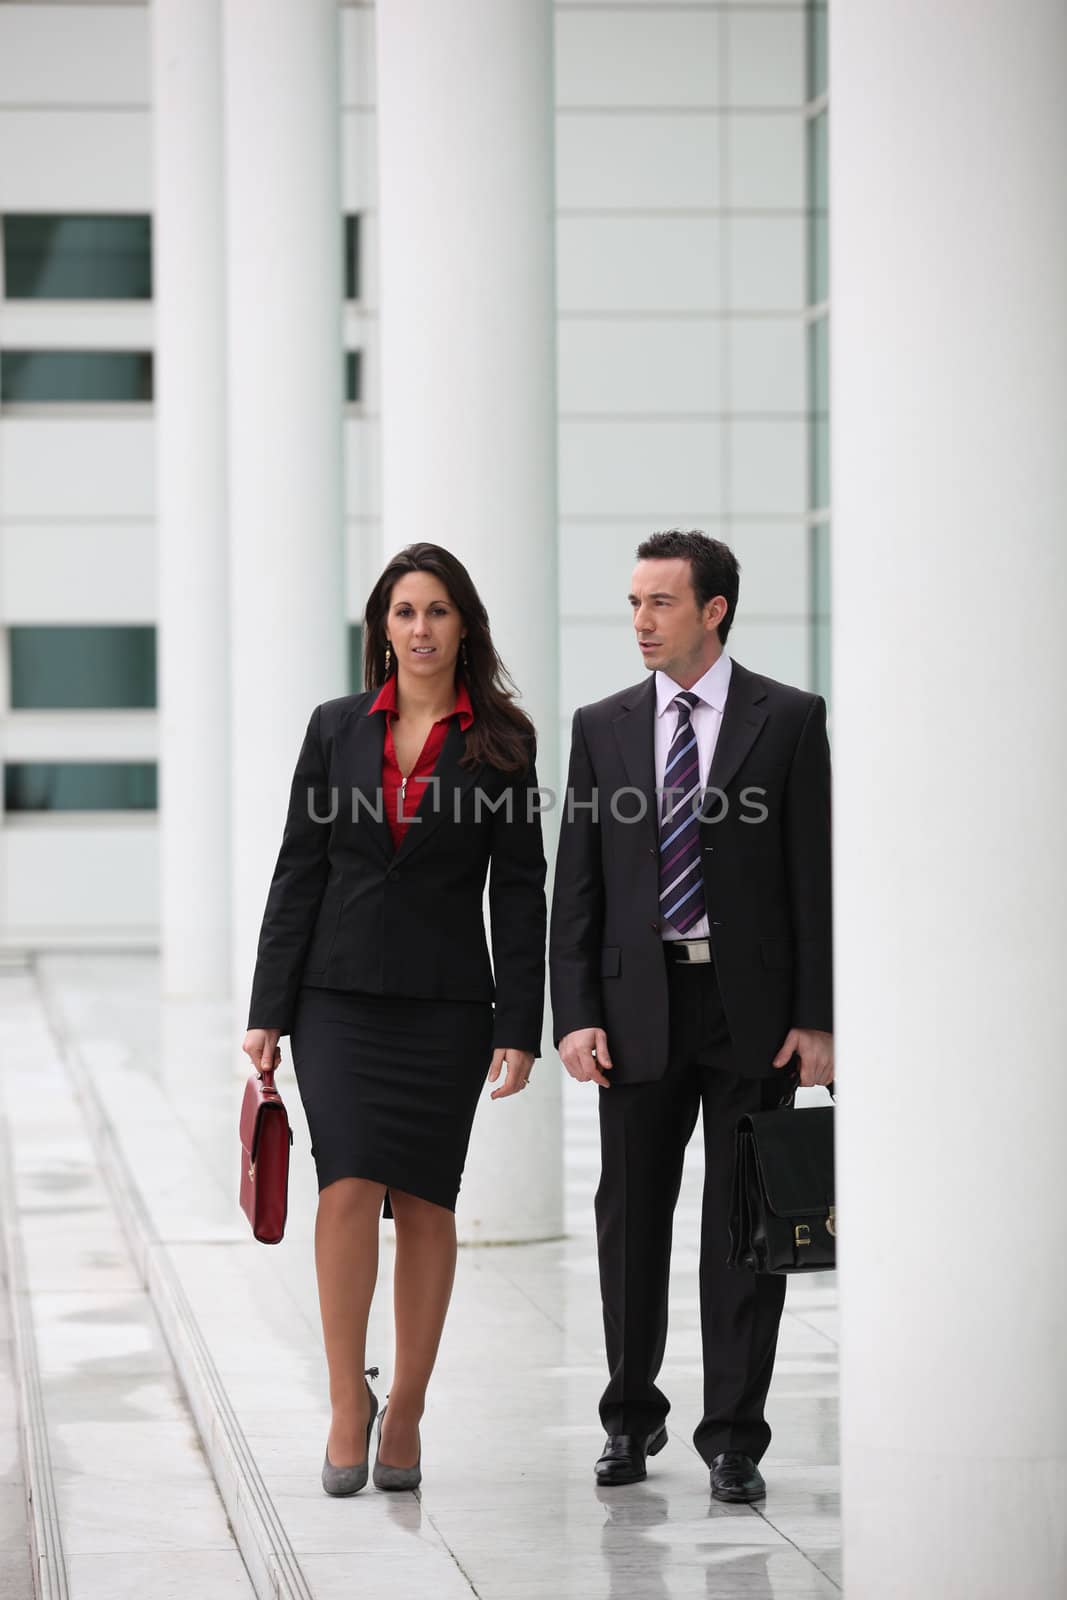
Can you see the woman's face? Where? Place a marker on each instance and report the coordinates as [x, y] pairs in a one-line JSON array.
[[424, 626]]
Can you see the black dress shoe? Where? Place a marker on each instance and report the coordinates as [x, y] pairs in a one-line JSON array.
[[623, 1460], [736, 1477]]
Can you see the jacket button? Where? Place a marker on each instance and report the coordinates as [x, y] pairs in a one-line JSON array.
[[393, 875], [652, 852], [654, 926]]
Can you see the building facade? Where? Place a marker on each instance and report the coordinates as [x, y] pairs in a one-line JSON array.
[[692, 362]]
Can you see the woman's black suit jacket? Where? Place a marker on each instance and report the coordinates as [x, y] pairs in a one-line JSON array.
[[347, 911]]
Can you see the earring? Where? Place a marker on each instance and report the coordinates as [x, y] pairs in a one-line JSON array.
[[388, 656], [463, 653]]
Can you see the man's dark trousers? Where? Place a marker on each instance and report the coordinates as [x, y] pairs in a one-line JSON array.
[[644, 1130]]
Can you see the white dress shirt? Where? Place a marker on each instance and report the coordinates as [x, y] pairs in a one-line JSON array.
[[711, 691]]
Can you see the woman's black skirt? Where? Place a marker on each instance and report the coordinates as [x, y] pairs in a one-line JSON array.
[[390, 1086]]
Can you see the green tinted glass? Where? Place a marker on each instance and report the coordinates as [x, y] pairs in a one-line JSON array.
[[35, 377], [818, 50], [77, 257], [820, 609], [80, 786], [819, 409], [82, 668], [353, 376], [355, 658], [351, 258]]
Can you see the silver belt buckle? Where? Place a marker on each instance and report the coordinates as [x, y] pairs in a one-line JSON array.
[[696, 950]]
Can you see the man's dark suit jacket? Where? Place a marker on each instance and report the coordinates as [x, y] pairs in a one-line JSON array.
[[347, 911], [766, 882]]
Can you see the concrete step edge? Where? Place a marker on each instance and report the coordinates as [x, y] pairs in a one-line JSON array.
[[47, 1564], [257, 1527]]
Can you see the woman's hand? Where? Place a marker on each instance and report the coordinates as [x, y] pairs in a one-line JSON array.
[[261, 1047], [519, 1064]]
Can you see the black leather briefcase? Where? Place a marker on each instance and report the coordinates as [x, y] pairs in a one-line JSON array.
[[782, 1216]]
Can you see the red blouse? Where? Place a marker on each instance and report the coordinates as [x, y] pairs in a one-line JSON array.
[[399, 806]]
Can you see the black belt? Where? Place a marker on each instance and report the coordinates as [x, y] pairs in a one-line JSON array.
[[688, 952]]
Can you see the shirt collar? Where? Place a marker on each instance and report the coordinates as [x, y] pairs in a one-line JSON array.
[[386, 701], [711, 688]]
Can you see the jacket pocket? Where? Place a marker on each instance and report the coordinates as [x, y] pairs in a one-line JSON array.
[[610, 961], [777, 952]]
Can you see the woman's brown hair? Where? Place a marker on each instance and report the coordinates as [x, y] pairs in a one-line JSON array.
[[501, 733]]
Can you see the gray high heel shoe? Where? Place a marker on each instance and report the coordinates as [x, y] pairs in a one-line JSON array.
[[350, 1480], [395, 1477]]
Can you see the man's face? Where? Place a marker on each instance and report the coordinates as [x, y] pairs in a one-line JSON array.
[[672, 634]]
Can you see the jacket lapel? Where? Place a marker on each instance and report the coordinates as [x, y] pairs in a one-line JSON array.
[[363, 794], [440, 797], [635, 731], [743, 717]]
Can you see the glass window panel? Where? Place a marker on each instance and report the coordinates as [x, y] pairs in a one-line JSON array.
[[818, 50], [34, 377], [819, 404], [355, 658], [82, 668], [351, 263], [353, 376], [818, 210], [819, 157], [80, 786], [820, 609], [77, 257]]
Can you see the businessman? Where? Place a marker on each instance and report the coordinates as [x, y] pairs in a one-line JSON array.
[[691, 970]]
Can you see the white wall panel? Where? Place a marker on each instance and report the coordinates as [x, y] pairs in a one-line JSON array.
[[767, 364], [78, 879], [73, 467], [363, 562], [646, 367], [767, 263], [669, 471], [765, 52], [765, 162], [363, 478], [639, 264], [596, 561], [358, 67], [596, 659], [359, 160], [774, 569], [649, 161], [80, 736], [78, 572], [768, 467], [778, 648], [637, 58], [77, 324], [75, 160], [73, 55]]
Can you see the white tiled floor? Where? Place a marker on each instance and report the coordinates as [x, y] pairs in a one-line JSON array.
[[508, 1508]]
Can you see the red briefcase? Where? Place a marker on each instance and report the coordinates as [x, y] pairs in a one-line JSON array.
[[265, 1140]]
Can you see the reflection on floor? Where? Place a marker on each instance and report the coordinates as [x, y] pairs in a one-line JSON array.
[[508, 1508]]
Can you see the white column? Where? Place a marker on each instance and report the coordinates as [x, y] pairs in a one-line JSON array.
[[468, 411], [193, 637], [949, 250], [284, 232]]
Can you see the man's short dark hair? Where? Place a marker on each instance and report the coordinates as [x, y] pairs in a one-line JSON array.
[[713, 567]]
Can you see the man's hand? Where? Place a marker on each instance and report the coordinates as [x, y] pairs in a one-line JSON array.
[[584, 1053], [816, 1052]]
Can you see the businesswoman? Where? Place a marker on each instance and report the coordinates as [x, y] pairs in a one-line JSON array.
[[373, 958]]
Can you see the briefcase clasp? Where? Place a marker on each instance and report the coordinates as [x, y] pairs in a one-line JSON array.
[[801, 1234]]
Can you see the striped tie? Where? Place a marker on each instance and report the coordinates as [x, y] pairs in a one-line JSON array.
[[681, 888]]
